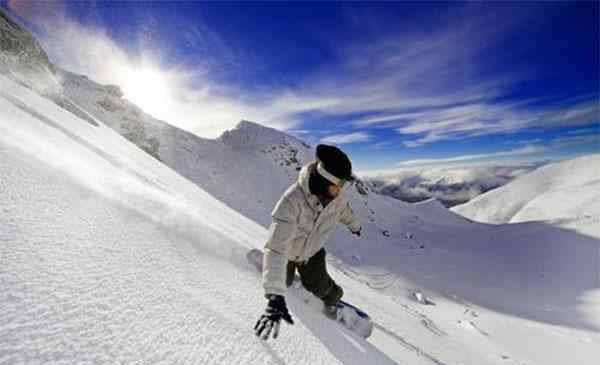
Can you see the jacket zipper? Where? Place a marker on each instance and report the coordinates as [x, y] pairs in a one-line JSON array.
[[315, 223]]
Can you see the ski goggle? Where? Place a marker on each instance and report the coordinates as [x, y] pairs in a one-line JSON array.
[[333, 179]]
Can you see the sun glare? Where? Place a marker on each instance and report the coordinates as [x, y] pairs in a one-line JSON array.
[[148, 89]]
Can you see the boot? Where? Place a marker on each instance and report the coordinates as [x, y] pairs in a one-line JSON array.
[[331, 311]]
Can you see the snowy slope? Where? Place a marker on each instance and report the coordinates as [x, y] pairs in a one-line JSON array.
[[107, 256], [562, 190], [481, 277], [469, 270], [211, 163]]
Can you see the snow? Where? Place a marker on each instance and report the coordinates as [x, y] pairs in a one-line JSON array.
[[110, 254], [212, 164], [107, 256], [565, 192]]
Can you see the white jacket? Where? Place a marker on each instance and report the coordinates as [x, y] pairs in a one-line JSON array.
[[300, 228]]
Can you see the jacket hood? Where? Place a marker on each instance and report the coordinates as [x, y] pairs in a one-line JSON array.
[[303, 178]]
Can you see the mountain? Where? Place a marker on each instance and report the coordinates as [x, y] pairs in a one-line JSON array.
[[562, 191], [22, 57], [129, 247], [110, 256], [450, 185], [211, 163], [23, 60]]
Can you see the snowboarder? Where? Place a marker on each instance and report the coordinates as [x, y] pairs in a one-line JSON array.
[[303, 219]]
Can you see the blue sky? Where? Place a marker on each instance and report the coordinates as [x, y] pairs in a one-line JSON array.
[[394, 84]]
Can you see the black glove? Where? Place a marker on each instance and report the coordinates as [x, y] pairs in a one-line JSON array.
[[276, 310], [357, 232]]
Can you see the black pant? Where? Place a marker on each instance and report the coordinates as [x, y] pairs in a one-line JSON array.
[[315, 278]]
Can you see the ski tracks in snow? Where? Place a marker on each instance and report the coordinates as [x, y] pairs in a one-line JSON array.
[[402, 341], [385, 281], [427, 322]]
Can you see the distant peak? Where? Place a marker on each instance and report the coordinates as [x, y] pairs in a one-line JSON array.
[[249, 125], [248, 133]]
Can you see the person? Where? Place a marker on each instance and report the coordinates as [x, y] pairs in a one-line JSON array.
[[303, 218]]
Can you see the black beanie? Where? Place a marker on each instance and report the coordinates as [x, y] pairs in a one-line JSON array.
[[335, 161]]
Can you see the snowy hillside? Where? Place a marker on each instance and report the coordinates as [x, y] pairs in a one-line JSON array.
[[108, 256], [206, 162], [410, 248], [449, 185], [104, 241], [112, 253], [566, 190]]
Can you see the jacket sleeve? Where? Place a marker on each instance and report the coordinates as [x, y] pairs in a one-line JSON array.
[[349, 219], [281, 233]]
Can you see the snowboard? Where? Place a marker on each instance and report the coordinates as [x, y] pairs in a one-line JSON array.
[[348, 315]]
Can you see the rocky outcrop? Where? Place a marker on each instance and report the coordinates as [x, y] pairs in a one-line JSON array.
[[23, 59]]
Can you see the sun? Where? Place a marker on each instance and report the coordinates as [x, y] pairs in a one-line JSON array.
[[147, 88]]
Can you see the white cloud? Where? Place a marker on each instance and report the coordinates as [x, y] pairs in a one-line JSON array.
[[299, 131], [451, 185], [534, 148], [412, 70], [474, 120], [430, 86], [528, 141], [437, 87], [378, 119], [528, 150], [347, 138], [593, 130], [184, 96], [577, 140]]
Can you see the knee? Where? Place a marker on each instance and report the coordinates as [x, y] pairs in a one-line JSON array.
[[313, 283]]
